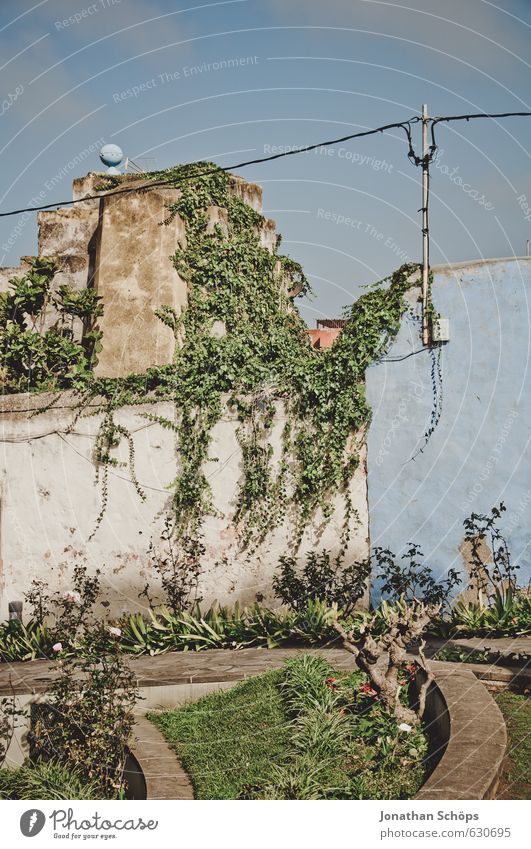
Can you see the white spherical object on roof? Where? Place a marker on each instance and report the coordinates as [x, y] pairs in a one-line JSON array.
[[111, 154]]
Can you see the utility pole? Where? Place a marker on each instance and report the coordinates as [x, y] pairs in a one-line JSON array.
[[425, 231]]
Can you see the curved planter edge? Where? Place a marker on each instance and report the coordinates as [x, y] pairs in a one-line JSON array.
[[164, 775], [463, 720]]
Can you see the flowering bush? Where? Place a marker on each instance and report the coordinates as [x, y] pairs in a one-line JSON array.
[[88, 719], [64, 618]]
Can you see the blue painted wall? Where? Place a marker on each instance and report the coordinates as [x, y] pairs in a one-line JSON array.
[[479, 453]]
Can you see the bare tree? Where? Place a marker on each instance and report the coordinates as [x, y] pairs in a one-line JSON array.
[[380, 656]]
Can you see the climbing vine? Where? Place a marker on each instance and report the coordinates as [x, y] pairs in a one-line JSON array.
[[246, 350], [48, 339]]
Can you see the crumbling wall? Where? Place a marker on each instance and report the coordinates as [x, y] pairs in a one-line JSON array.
[[49, 499], [49, 502]]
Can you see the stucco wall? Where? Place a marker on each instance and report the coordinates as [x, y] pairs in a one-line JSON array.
[[134, 276], [479, 453], [49, 503]]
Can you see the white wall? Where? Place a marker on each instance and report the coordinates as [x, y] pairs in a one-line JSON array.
[[49, 504]]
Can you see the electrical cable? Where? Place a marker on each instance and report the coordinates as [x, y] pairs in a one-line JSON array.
[[438, 119], [405, 125], [399, 359]]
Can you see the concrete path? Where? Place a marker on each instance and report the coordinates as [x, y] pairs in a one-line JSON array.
[[506, 646], [224, 665]]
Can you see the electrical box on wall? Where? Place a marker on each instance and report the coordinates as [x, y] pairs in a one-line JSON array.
[[440, 331]]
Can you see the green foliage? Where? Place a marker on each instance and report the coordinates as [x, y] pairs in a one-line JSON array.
[[236, 628], [265, 358], [497, 578], [88, 718], [10, 717], [31, 292], [221, 627], [494, 657], [507, 614], [66, 619], [228, 740], [20, 641], [263, 361], [164, 631], [178, 568], [43, 780], [502, 608], [516, 710], [321, 578], [343, 744], [84, 303], [36, 360], [304, 732], [410, 578]]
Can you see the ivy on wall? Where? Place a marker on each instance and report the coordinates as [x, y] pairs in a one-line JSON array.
[[37, 357], [245, 347]]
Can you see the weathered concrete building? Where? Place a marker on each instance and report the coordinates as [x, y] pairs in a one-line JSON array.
[[49, 501]]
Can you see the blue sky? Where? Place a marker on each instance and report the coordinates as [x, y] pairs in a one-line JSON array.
[[232, 80]]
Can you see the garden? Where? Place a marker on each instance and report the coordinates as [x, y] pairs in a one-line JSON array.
[[307, 729], [302, 731]]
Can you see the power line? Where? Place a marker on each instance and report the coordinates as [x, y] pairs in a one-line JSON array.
[[399, 359], [405, 125], [447, 118]]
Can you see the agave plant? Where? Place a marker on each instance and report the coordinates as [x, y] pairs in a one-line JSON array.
[[469, 616], [24, 642], [222, 627]]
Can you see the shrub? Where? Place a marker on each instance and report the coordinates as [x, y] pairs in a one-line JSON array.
[[62, 617], [231, 628], [321, 578], [339, 738], [88, 720], [410, 578], [506, 614], [9, 718], [498, 577], [502, 609], [24, 642], [37, 360], [178, 567]]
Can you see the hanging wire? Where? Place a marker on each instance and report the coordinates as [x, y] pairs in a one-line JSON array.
[[447, 118], [405, 125]]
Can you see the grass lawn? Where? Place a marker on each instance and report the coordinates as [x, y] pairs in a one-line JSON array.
[[229, 740], [516, 711], [301, 732]]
